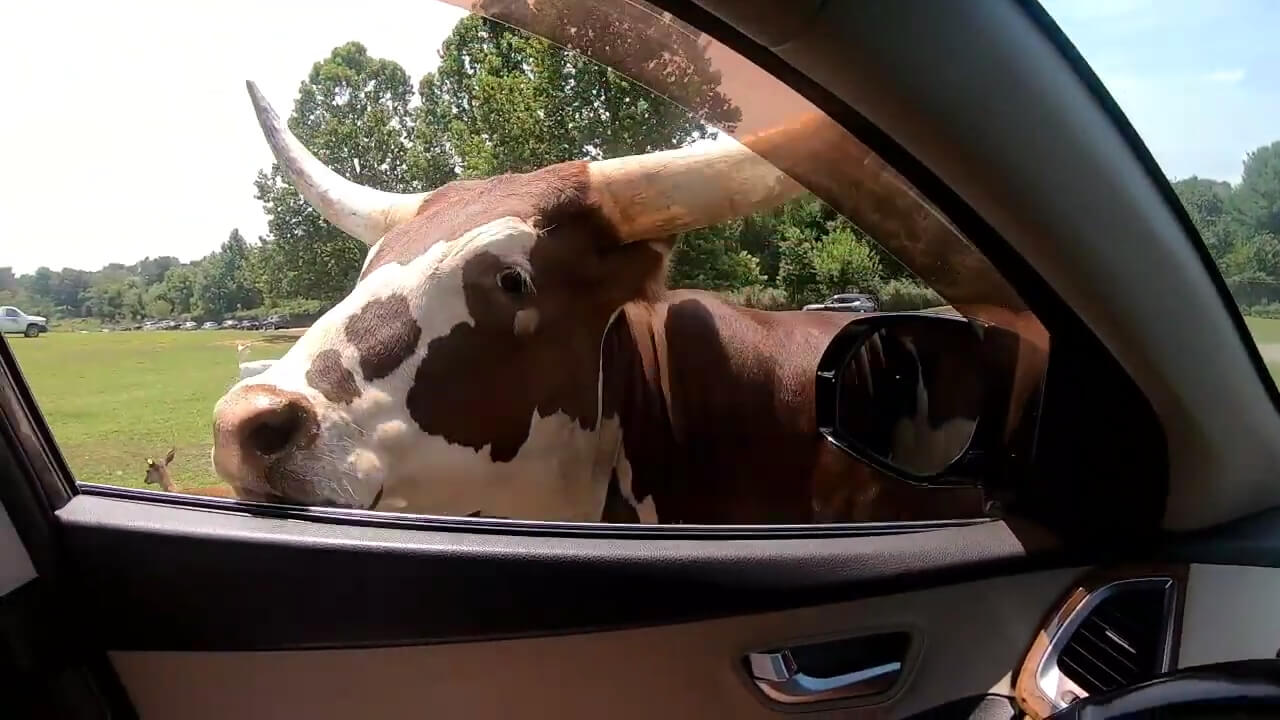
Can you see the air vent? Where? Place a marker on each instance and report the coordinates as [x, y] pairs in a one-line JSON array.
[[1117, 636], [1120, 642]]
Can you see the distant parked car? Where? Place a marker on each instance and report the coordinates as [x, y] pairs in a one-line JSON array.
[[210, 325], [846, 302], [166, 325], [250, 325], [276, 322], [190, 325], [230, 324], [13, 320]]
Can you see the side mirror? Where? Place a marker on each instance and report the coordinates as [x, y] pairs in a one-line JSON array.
[[927, 398]]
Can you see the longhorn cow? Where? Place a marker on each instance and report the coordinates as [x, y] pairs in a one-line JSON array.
[[510, 349]]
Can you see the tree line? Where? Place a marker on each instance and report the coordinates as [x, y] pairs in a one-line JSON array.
[[1240, 225], [502, 100]]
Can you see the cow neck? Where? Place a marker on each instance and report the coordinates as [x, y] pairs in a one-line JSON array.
[[715, 407]]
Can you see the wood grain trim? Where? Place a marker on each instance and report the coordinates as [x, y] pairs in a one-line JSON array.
[[1027, 691]]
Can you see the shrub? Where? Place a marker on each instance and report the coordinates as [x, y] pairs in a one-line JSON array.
[[759, 297], [1265, 310], [903, 294]]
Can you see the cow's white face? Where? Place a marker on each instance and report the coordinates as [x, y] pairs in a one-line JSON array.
[[461, 376]]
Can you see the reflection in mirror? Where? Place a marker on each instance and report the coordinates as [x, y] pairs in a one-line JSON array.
[[911, 394]]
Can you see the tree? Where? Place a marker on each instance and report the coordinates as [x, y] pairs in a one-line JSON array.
[[177, 290], [1255, 202], [821, 257], [222, 285], [508, 101], [352, 112], [710, 259], [1206, 203], [846, 263]]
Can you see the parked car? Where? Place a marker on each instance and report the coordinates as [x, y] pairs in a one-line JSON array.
[[13, 320], [276, 322], [846, 302], [230, 324], [190, 325], [250, 324], [210, 325]]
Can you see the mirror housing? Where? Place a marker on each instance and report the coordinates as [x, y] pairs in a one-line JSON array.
[[933, 399]]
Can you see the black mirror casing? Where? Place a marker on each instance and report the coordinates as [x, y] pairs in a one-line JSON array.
[[928, 398]]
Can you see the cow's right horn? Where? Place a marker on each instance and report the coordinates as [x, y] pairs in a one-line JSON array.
[[666, 193], [361, 212]]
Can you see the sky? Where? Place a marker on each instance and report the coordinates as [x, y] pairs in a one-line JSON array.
[[128, 132]]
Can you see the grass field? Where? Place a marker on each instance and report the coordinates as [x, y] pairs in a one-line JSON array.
[[113, 399], [1266, 332]]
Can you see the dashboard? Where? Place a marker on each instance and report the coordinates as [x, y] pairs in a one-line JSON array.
[[1121, 626]]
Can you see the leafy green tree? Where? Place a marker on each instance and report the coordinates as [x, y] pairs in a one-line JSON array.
[[508, 101], [223, 285], [1256, 260], [1206, 203], [710, 259], [41, 283], [845, 263], [353, 113], [177, 290], [1255, 202]]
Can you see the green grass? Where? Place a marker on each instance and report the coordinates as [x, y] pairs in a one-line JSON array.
[[115, 399], [1266, 331]]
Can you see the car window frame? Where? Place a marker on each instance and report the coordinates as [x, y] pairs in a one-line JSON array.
[[1049, 27], [60, 486]]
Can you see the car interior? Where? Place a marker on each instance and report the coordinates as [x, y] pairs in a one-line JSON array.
[[1126, 563]]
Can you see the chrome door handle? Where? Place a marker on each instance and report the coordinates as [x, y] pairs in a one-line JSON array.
[[778, 676]]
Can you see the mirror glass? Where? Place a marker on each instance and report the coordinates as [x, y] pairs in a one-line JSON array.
[[910, 392]]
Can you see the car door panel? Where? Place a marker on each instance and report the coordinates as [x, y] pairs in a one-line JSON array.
[[970, 637], [402, 586], [1230, 614]]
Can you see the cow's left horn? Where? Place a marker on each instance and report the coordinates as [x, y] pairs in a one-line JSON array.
[[362, 212], [666, 193]]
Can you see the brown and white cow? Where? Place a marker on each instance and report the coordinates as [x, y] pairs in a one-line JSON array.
[[510, 350]]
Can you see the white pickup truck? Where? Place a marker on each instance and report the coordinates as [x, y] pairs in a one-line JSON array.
[[13, 320]]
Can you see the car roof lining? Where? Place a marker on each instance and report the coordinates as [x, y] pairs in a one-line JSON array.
[[958, 97]]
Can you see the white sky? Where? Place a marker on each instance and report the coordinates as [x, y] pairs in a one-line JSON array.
[[127, 131]]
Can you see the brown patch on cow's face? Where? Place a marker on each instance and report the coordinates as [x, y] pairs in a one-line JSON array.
[[482, 383], [328, 375], [384, 333]]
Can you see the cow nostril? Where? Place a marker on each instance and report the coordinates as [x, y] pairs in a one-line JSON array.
[[278, 428]]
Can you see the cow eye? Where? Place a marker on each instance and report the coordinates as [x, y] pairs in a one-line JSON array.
[[515, 282]]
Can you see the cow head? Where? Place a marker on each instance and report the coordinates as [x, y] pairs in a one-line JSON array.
[[461, 375]]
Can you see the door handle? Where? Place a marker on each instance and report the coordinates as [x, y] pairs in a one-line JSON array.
[[781, 679]]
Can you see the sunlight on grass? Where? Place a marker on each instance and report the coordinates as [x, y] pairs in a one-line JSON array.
[[114, 399]]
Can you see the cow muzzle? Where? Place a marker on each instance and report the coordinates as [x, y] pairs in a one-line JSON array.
[[256, 428]]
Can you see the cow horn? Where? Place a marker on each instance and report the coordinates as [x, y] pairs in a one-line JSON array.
[[665, 193], [361, 212]]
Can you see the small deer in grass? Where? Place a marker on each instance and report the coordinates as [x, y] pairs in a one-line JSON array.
[[158, 474]]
